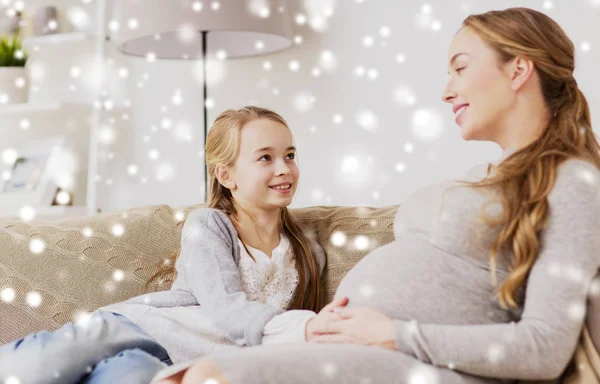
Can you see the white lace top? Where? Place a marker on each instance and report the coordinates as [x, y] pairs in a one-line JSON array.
[[273, 280]]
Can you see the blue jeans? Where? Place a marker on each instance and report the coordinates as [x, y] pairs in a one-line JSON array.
[[104, 348]]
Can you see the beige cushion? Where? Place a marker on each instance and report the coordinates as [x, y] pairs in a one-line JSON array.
[[74, 273]]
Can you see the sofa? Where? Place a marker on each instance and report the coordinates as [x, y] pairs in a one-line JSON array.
[[54, 272]]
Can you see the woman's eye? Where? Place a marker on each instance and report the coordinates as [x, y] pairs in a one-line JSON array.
[[459, 70], [292, 156], [266, 157]]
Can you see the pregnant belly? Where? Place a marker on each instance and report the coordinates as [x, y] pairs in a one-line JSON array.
[[412, 279]]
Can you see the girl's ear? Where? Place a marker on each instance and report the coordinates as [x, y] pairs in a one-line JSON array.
[[223, 175]]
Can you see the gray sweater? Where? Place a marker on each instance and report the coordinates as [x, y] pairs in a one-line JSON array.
[[435, 282], [206, 300]]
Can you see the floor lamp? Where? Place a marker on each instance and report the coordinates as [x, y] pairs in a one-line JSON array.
[[188, 30]]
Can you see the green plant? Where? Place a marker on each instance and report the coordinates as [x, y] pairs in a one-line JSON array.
[[11, 52]]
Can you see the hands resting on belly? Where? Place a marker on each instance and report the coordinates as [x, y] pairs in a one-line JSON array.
[[338, 324]]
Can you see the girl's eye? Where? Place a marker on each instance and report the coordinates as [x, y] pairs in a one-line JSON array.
[[267, 157], [292, 156], [459, 70]]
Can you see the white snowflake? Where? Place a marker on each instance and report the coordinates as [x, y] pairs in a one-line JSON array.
[[404, 96], [109, 287], [495, 353], [9, 156], [585, 46], [27, 213], [132, 169], [595, 287], [385, 31], [165, 172], [7, 295], [303, 101], [361, 243], [576, 311], [554, 269], [197, 6], [12, 380], [153, 154], [367, 290], [423, 376], [118, 230], [133, 23], [317, 194], [118, 275], [327, 60], [372, 73], [294, 66], [587, 176], [330, 369], [427, 124], [63, 198], [37, 246], [367, 119], [20, 82], [338, 238], [575, 274], [300, 19], [33, 299]]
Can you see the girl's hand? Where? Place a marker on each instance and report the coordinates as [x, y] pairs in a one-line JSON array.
[[362, 326], [324, 315]]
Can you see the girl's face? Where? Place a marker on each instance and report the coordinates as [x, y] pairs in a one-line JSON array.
[[265, 174], [479, 86]]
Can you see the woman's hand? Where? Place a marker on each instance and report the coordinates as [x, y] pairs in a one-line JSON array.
[[323, 317], [362, 326]]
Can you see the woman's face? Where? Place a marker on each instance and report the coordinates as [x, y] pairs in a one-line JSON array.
[[478, 89]]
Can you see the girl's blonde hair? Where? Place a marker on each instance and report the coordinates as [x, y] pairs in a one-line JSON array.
[[527, 176], [223, 147]]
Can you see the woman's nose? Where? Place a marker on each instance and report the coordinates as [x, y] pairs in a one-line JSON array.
[[448, 95]]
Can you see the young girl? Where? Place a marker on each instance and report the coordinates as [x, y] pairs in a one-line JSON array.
[[243, 262]]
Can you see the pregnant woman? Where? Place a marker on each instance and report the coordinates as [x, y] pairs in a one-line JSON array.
[[488, 276]]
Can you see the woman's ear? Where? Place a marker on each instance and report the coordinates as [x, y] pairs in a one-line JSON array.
[[521, 69], [223, 175]]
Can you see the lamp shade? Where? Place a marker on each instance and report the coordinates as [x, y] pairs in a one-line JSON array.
[[170, 29]]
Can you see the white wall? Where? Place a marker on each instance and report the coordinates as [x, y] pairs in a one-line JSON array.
[[323, 145]]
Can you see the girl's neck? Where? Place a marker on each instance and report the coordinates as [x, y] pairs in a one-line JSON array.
[[259, 229]]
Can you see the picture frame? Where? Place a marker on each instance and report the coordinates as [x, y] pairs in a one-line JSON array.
[[31, 180]]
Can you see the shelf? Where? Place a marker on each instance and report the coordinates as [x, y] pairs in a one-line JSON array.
[[31, 108], [28, 108], [24, 109], [56, 39]]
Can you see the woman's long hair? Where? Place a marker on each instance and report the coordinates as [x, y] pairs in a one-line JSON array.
[[527, 176], [223, 147]]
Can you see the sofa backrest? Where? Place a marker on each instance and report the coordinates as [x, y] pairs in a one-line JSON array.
[[50, 273]]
